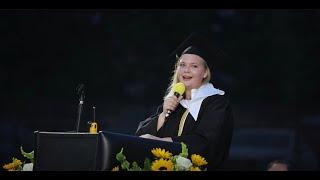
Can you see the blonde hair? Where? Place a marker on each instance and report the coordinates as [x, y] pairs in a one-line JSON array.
[[174, 77]]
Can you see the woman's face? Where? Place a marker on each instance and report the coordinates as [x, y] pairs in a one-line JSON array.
[[191, 71]]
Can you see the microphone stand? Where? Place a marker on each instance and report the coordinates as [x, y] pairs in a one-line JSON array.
[[80, 110]]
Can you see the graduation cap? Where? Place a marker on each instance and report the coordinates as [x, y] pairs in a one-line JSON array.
[[202, 44]]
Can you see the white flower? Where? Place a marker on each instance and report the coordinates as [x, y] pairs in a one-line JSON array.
[[183, 164], [27, 167]]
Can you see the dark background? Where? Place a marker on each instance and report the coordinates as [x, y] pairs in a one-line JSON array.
[[123, 59]]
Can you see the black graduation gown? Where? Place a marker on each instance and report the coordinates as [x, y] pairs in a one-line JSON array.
[[210, 136]]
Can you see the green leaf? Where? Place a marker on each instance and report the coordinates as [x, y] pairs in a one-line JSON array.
[[29, 155], [135, 167], [125, 165], [147, 165], [174, 159], [120, 156], [184, 150]]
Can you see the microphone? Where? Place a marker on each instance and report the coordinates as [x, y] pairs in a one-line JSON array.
[[80, 92], [178, 90]]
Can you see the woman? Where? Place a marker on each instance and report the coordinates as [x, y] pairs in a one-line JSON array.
[[201, 118]]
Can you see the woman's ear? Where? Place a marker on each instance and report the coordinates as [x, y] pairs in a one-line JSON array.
[[205, 74]]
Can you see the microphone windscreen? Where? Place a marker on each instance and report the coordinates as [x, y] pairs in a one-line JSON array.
[[179, 88]]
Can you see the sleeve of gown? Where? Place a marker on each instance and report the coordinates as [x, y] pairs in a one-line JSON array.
[[149, 126], [214, 132]]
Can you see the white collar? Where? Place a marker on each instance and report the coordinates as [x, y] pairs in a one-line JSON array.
[[197, 96]]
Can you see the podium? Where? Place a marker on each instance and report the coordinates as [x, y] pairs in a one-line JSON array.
[[70, 151]]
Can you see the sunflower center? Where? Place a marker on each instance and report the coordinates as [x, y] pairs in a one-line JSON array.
[[162, 168]]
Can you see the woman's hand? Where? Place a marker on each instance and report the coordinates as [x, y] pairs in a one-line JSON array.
[[170, 103]]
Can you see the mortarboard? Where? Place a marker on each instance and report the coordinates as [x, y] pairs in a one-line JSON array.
[[202, 44]]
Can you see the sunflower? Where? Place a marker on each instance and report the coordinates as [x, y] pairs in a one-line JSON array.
[[16, 164], [161, 153], [162, 165], [115, 168], [195, 168], [198, 160]]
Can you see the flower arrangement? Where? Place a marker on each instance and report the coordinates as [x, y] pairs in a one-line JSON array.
[[164, 161], [17, 165]]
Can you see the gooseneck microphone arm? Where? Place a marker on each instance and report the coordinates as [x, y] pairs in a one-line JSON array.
[[81, 99]]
